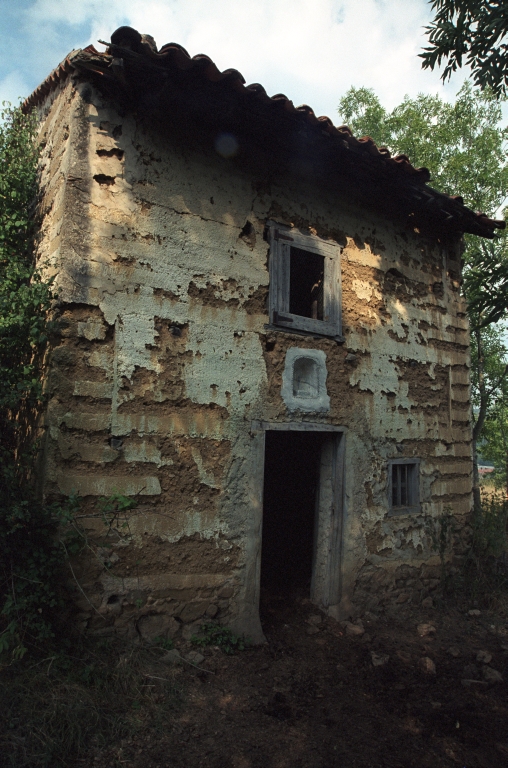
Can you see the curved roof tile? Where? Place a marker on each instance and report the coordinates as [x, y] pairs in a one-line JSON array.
[[142, 50]]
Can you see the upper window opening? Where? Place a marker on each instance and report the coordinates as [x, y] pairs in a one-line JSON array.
[[306, 274], [305, 290]]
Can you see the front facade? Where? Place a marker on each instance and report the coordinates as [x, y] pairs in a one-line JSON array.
[[274, 370]]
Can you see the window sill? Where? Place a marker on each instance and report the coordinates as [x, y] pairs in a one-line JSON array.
[[306, 334], [400, 511]]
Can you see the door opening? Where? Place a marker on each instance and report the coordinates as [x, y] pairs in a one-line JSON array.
[[290, 511]]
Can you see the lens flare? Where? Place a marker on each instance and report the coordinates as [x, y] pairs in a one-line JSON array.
[[226, 144]]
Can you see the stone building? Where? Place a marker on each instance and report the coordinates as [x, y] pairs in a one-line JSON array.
[[261, 340]]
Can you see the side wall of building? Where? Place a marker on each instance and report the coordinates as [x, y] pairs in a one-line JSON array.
[[164, 361]]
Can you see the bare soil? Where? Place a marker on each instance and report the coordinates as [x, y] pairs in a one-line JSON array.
[[314, 698]]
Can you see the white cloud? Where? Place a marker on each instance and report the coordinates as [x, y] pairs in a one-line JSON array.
[[312, 51], [12, 88]]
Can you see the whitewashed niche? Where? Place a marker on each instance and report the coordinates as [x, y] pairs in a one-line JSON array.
[[304, 381]]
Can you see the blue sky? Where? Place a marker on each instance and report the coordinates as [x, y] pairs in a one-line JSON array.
[[312, 50], [36, 37]]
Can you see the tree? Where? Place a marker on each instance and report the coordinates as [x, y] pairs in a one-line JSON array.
[[489, 394], [462, 144], [495, 445], [470, 32], [464, 147]]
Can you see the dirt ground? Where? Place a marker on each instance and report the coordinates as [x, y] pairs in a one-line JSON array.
[[313, 697]]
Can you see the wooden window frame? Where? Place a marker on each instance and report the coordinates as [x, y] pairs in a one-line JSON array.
[[413, 506], [281, 240]]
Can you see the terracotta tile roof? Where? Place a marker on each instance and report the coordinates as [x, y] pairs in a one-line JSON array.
[[55, 77], [134, 70]]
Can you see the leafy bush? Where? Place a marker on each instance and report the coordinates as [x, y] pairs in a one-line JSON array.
[[30, 558], [483, 575]]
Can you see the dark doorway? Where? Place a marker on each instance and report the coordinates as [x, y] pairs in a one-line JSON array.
[[291, 483]]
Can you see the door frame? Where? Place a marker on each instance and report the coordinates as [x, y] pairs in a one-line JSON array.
[[332, 581]]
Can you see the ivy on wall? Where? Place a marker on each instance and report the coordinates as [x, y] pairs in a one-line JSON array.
[[30, 556]]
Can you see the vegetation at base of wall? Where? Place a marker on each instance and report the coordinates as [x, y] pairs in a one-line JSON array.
[[30, 557], [485, 568], [441, 531], [63, 706], [36, 539], [212, 633], [480, 573]]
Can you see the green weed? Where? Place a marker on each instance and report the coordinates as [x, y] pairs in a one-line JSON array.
[[441, 530], [212, 633], [163, 642]]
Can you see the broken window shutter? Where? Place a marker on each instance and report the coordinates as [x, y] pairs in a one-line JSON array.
[[326, 320], [279, 278]]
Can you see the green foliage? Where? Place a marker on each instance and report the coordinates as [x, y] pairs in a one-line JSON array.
[[479, 571], [489, 530], [113, 510], [24, 297], [113, 507], [489, 390], [485, 571], [71, 535], [31, 562], [163, 642], [486, 279], [471, 32], [30, 557], [495, 444], [212, 633], [462, 144]]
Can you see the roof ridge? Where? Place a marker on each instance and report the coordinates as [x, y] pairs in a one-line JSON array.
[[129, 45]]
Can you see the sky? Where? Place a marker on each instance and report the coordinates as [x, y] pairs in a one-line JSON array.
[[311, 50]]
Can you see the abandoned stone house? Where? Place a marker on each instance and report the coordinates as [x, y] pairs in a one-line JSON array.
[[261, 339]]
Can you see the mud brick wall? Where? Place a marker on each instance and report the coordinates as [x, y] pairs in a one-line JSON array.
[[163, 360]]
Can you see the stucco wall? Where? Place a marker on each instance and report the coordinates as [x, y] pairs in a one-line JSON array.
[[162, 346]]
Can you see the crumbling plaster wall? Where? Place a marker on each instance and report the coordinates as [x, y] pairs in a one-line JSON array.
[[163, 360]]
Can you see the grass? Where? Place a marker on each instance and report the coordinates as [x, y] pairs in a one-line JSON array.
[[58, 708], [480, 575], [66, 705], [485, 570]]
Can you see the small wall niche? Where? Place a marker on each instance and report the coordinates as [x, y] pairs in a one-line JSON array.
[[304, 380]]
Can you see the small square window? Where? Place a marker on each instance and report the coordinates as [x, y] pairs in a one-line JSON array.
[[305, 291], [404, 486]]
